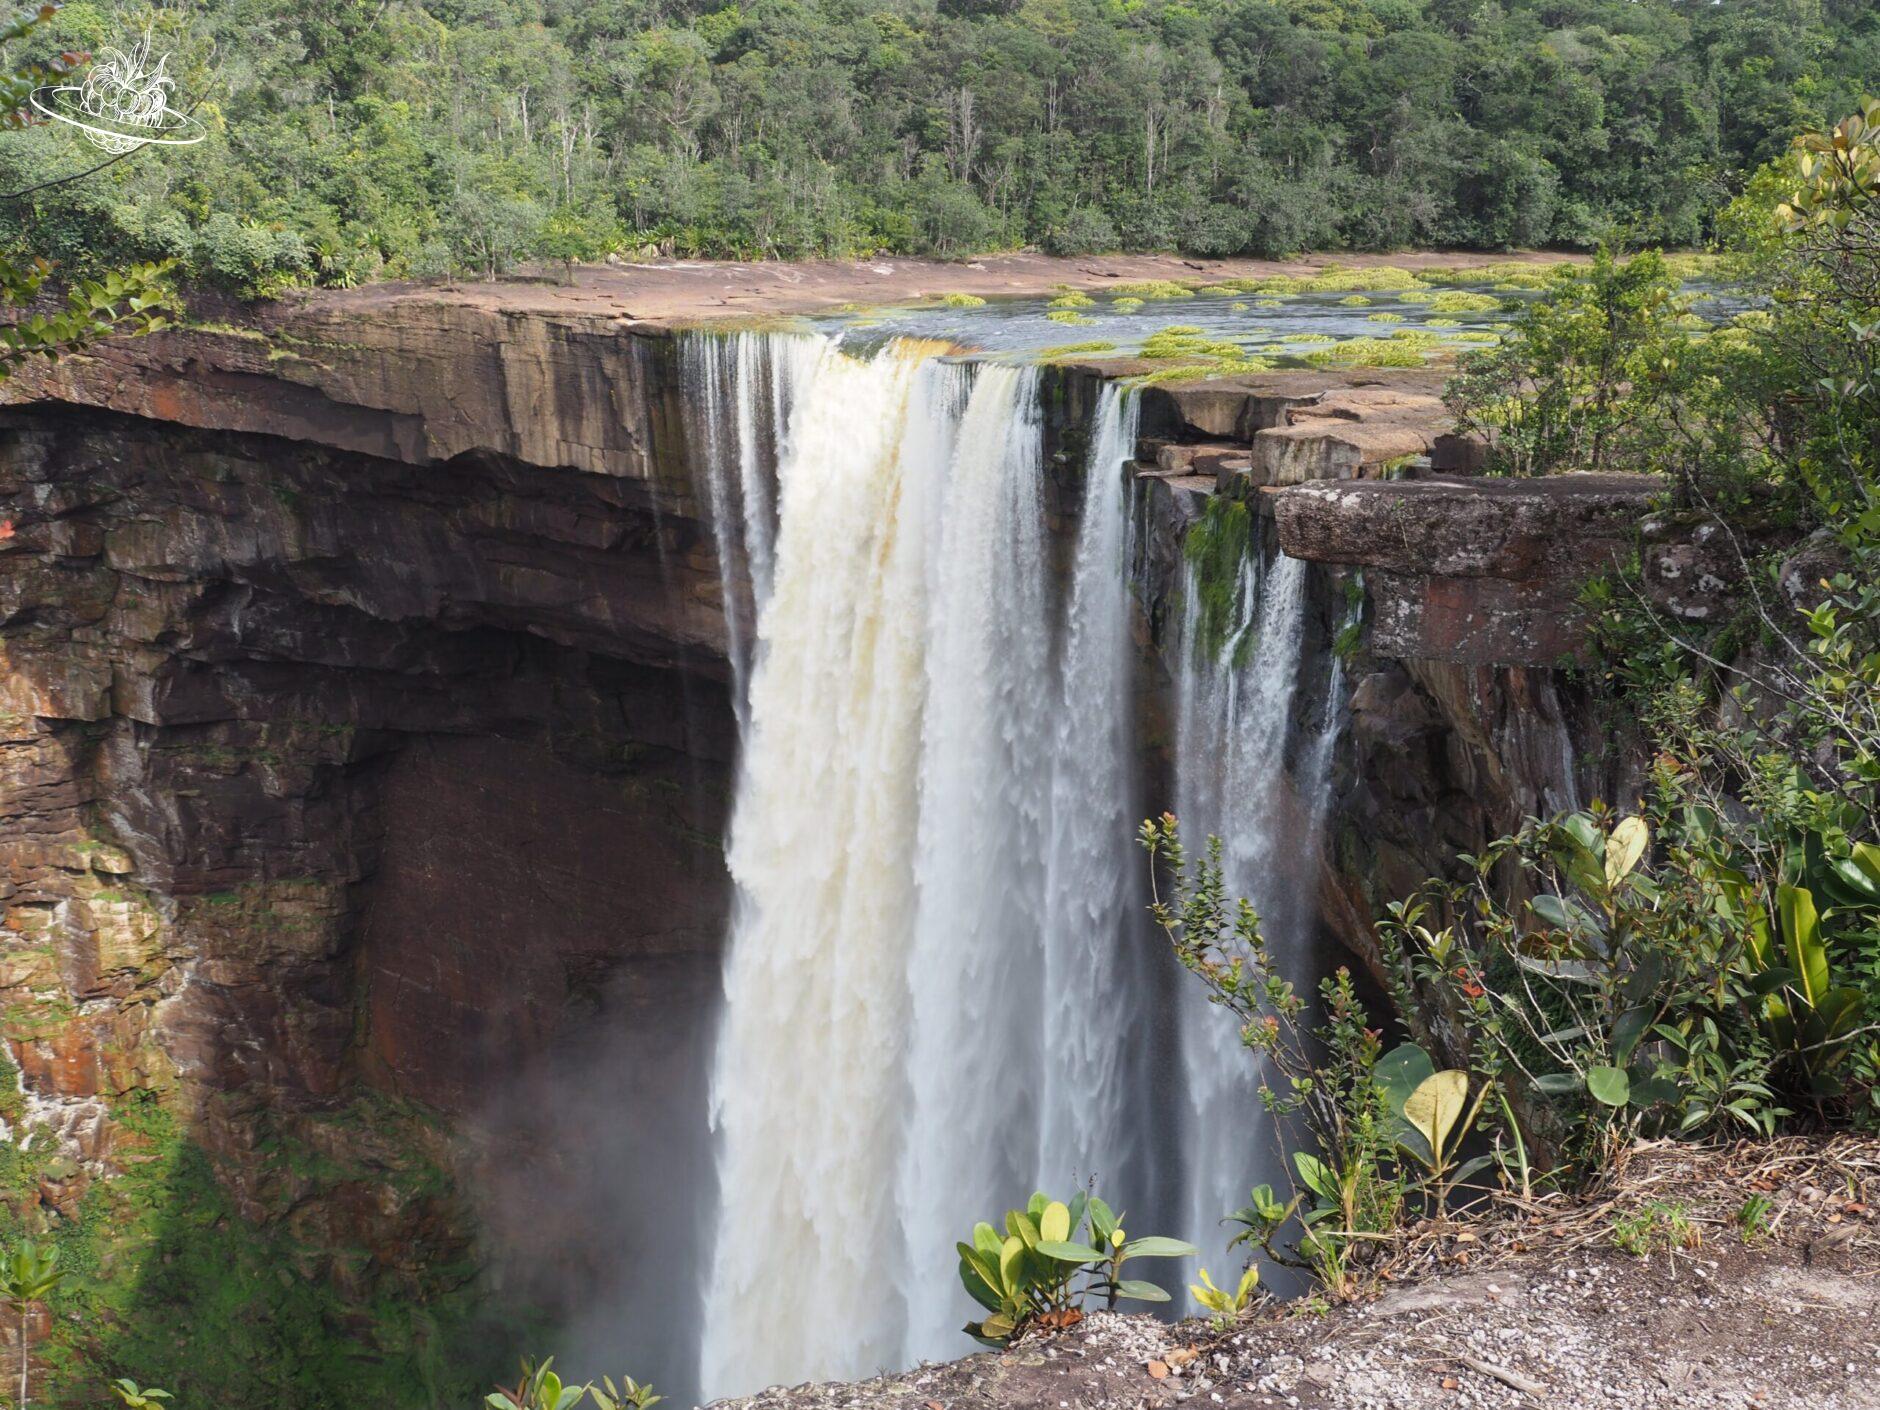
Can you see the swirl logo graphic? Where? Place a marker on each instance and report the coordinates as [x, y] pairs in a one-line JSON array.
[[122, 104]]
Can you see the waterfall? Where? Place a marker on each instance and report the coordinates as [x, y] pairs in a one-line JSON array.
[[737, 453], [1234, 721], [931, 992]]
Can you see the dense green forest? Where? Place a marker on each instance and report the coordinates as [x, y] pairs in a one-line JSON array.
[[355, 139]]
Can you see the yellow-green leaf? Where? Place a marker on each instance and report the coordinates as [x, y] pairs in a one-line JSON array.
[[1054, 1225], [1627, 844], [1436, 1105]]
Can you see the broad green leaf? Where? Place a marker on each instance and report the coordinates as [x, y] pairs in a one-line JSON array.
[[1018, 1224], [1069, 1252], [1628, 1029], [1157, 1247], [1139, 1291], [1009, 1257], [1317, 1178], [978, 1287], [1400, 1072], [1801, 931], [1609, 1085]]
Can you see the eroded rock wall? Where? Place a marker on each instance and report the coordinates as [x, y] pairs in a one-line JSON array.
[[341, 795]]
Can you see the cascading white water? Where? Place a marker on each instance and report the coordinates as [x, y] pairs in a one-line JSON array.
[[1234, 718], [928, 1005], [737, 452], [1092, 864]]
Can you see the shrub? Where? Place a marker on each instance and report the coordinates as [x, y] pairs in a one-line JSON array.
[[1051, 1257]]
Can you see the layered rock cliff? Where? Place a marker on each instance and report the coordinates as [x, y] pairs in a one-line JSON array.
[[365, 748]]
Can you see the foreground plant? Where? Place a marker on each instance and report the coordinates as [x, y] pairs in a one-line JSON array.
[[628, 1395], [1381, 1130], [139, 1397], [28, 1275], [540, 1388], [1227, 1306], [1052, 1256]]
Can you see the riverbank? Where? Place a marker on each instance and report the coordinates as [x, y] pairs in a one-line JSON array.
[[701, 290]]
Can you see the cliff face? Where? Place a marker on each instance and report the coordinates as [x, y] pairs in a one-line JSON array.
[[365, 751], [1451, 601], [285, 699]]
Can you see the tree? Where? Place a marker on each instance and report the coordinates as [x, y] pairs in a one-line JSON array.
[[577, 232], [130, 301], [28, 1276]]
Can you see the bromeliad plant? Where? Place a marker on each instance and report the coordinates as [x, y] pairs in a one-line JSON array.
[[1051, 1257]]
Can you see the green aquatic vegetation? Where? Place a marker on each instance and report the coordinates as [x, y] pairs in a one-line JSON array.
[[1073, 299], [1384, 317], [1475, 335], [961, 301], [1276, 284], [1694, 266], [1268, 303], [1153, 289], [1506, 274], [1368, 352], [1202, 371], [1381, 279], [1129, 303], [1073, 349], [1421, 337], [1461, 301], [1218, 290], [1691, 323], [1303, 338], [1070, 316], [1238, 307], [1355, 301], [1442, 323], [1184, 340], [1196, 355]]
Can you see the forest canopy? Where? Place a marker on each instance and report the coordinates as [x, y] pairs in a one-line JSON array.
[[361, 139]]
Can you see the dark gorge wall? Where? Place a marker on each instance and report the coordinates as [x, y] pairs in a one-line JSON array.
[[343, 801]]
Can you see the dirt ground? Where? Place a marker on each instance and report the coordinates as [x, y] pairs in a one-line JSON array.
[[1534, 1306], [685, 291]]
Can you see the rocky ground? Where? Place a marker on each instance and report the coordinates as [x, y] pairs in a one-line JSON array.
[[1537, 1306]]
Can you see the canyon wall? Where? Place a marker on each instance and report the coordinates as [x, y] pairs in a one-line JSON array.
[[365, 751]]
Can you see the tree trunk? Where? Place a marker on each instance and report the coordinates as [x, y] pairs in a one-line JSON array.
[[23, 1310]]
